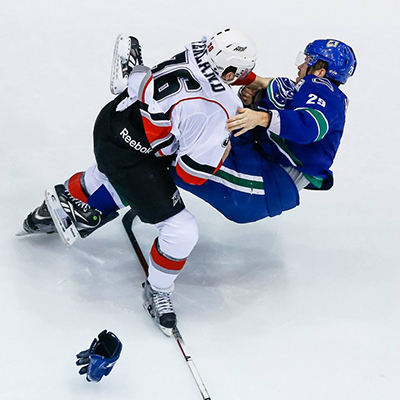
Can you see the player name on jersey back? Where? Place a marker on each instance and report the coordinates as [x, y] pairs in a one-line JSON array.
[[199, 52]]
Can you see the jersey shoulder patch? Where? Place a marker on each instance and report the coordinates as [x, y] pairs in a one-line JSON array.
[[280, 91]]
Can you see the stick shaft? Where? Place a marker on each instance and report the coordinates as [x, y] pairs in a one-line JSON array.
[[195, 373], [127, 220]]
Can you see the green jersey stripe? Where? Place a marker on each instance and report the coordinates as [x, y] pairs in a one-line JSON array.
[[315, 180], [238, 188], [280, 142], [244, 189], [248, 177], [322, 122], [252, 184]]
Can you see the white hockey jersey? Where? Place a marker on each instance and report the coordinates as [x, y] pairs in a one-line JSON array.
[[184, 108]]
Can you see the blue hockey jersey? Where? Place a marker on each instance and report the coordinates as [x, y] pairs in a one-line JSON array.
[[307, 123]]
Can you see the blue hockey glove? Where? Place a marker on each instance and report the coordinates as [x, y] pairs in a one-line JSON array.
[[100, 358]]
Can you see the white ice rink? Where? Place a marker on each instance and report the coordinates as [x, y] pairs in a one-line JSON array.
[[304, 306]]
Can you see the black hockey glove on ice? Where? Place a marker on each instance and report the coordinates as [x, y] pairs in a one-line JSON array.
[[100, 358]]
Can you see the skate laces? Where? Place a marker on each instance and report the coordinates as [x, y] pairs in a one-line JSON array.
[[135, 52], [76, 202], [162, 303], [134, 57]]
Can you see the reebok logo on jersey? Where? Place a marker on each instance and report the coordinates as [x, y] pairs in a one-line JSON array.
[[133, 143]]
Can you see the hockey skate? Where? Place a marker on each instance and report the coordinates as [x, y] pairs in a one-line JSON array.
[[72, 217], [158, 304], [38, 221], [127, 54]]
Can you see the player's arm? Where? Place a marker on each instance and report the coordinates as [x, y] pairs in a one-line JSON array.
[[247, 119], [312, 112], [252, 84], [277, 92], [306, 123], [254, 81], [302, 125]]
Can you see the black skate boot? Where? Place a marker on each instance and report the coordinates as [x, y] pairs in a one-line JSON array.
[[159, 306], [133, 55], [86, 219], [39, 221]]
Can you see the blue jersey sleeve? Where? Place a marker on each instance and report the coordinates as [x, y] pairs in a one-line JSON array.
[[279, 93], [303, 125], [307, 113], [314, 110], [307, 132]]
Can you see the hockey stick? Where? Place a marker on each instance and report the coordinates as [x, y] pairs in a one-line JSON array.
[[127, 220]]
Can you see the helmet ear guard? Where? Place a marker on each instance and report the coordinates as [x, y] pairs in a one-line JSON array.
[[231, 48]]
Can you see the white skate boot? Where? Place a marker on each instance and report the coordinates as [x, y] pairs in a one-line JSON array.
[[159, 306]]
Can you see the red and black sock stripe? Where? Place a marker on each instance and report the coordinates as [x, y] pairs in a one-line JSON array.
[[163, 262]]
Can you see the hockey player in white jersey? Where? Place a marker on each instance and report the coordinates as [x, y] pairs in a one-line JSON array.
[[178, 108]]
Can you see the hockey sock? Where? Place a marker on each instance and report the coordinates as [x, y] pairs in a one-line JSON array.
[[75, 186], [163, 269], [100, 199]]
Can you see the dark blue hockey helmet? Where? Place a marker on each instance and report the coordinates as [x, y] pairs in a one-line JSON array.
[[340, 57]]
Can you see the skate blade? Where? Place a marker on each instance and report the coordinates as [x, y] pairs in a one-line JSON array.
[[65, 227], [25, 233], [117, 82], [166, 331]]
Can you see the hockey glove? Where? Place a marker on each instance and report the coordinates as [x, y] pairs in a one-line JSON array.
[[100, 358]]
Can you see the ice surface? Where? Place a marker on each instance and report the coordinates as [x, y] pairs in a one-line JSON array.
[[304, 306]]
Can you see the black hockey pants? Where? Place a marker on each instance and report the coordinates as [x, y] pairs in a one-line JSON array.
[[124, 155]]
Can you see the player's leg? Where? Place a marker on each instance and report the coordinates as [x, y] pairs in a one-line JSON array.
[[124, 155], [87, 197], [127, 54], [247, 187], [177, 237], [151, 192]]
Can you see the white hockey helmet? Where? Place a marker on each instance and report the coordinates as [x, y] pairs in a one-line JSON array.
[[232, 48]]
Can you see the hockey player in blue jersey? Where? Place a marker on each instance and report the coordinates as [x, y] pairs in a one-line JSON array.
[[286, 139]]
